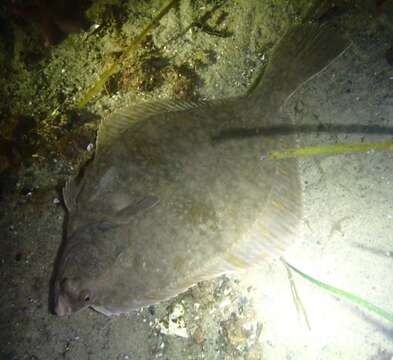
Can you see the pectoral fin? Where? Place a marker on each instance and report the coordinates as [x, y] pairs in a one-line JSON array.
[[126, 214]]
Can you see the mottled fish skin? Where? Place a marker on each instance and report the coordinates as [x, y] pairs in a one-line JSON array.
[[163, 206]]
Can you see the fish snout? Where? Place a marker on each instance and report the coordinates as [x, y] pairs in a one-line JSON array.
[[68, 299], [62, 306]]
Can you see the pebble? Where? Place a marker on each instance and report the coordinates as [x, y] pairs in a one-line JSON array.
[[225, 302], [90, 147], [178, 311], [199, 336]]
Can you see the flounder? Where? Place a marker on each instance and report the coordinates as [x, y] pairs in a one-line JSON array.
[[162, 205]]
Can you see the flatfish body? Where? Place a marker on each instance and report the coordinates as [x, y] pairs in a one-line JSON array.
[[163, 204]]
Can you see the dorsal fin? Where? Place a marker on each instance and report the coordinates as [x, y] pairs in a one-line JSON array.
[[113, 126]]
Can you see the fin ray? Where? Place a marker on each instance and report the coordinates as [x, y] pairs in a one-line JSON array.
[[111, 127], [302, 53]]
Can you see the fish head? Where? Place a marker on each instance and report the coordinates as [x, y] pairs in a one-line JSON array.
[[88, 254], [71, 296]]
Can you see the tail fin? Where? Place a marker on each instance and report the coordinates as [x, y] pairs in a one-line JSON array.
[[303, 52]]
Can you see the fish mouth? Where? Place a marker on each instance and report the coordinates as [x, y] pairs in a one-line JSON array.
[[61, 304], [62, 307]]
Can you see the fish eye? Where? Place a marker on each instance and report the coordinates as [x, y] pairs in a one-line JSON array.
[[85, 296]]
